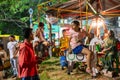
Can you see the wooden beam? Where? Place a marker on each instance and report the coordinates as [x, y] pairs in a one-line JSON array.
[[113, 2], [66, 10], [44, 3], [112, 8], [111, 11], [73, 15], [103, 4], [111, 14], [93, 10], [67, 5]]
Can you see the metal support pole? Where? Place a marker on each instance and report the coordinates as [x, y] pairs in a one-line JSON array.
[[31, 12], [31, 21]]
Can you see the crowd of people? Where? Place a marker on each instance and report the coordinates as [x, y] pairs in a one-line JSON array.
[[77, 45], [23, 56]]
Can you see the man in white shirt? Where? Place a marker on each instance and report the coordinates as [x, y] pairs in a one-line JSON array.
[[11, 45]]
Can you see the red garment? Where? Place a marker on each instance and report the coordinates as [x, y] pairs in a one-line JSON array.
[[26, 61], [118, 45]]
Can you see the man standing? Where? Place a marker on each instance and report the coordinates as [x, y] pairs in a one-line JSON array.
[[27, 69], [12, 48]]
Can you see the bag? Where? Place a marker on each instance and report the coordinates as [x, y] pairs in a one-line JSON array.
[[6, 64]]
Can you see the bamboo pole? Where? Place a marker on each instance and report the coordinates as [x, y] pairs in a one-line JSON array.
[[75, 11], [50, 38], [112, 8], [111, 11], [80, 13], [111, 14], [86, 16], [44, 3]]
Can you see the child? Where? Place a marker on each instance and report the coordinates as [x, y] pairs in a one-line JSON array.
[[3, 57], [64, 45], [76, 45]]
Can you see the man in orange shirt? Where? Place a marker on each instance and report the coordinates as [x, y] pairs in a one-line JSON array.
[[27, 69]]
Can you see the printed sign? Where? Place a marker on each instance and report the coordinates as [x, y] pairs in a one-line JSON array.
[[31, 11]]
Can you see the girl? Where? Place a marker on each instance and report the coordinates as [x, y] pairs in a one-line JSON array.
[[76, 45]]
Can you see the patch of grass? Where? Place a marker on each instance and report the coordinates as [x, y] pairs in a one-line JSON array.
[[50, 61], [44, 76], [50, 69]]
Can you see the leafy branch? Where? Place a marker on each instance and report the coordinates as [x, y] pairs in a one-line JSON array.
[[14, 20]]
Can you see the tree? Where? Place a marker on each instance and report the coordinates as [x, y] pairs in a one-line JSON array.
[[14, 14]]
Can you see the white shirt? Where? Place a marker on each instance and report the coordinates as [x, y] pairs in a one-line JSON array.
[[36, 39], [96, 39], [12, 47]]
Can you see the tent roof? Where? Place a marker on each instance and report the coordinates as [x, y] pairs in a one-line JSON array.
[[78, 8]]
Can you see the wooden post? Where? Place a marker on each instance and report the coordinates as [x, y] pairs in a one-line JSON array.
[[50, 38]]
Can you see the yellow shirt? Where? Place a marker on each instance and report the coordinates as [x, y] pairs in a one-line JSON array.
[[64, 43]]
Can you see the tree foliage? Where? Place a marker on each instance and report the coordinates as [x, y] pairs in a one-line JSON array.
[[14, 14]]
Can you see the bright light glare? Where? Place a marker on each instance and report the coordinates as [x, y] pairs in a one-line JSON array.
[[94, 23], [97, 22]]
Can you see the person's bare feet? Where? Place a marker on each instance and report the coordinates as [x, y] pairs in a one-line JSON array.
[[88, 70]]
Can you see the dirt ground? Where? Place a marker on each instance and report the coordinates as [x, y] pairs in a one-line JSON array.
[[51, 70]]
